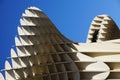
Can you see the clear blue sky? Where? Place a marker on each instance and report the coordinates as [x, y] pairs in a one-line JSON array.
[[71, 17]]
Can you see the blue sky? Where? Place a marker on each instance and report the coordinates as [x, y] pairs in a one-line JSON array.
[[71, 17]]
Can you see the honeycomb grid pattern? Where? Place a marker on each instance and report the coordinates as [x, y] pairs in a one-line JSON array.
[[42, 53]]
